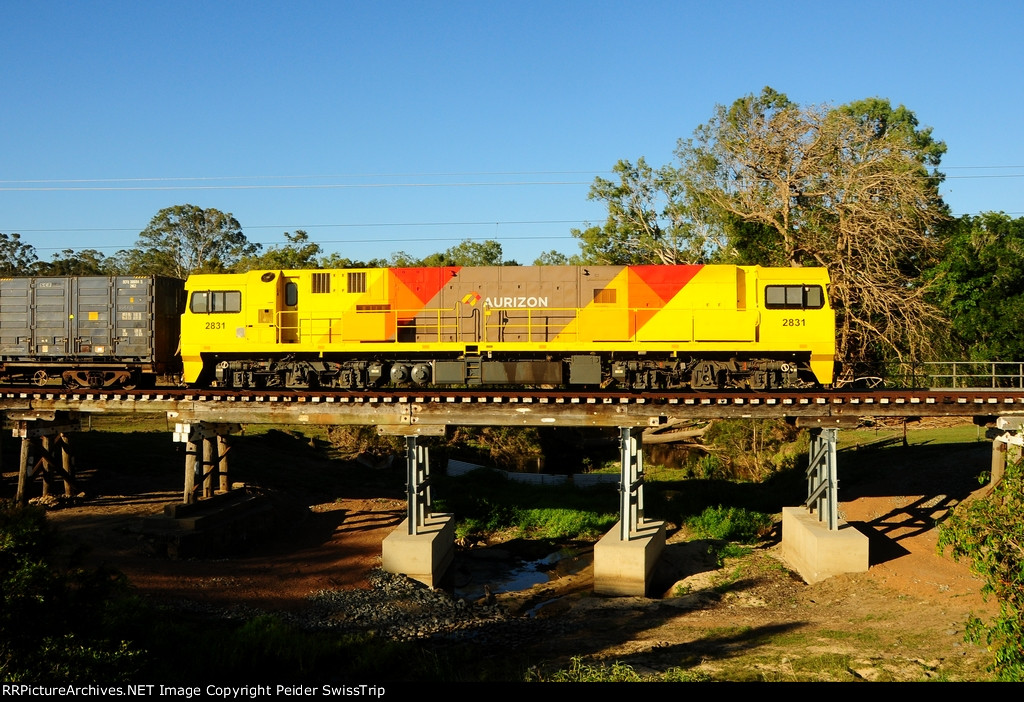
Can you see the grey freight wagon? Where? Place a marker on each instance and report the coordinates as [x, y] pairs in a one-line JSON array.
[[90, 331]]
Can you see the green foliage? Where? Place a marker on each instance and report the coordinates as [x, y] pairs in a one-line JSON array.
[[850, 188], [55, 622], [751, 449], [732, 550], [27, 580], [71, 262], [552, 258], [336, 260], [989, 532], [555, 523], [731, 524], [509, 448], [187, 239], [486, 502], [298, 253], [883, 120], [466, 253], [16, 257], [979, 286], [649, 220], [356, 440], [709, 467], [580, 671]]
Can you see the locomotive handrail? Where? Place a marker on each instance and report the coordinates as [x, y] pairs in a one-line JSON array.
[[537, 330], [524, 320]]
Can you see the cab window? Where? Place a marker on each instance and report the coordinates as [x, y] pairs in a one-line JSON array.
[[794, 297], [215, 301]]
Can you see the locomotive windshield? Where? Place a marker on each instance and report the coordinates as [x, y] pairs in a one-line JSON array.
[[794, 297], [213, 301]]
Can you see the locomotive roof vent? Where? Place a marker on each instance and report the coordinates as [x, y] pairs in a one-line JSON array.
[[267, 277]]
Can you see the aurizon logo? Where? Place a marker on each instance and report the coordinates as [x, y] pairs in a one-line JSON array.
[[506, 302]]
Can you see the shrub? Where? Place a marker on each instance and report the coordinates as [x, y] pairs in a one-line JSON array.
[[54, 620], [989, 532]]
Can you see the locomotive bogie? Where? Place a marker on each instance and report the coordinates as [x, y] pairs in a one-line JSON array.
[[581, 371]]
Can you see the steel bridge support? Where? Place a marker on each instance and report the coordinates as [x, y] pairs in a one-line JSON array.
[[625, 557], [206, 458], [822, 477], [45, 451], [417, 486], [631, 483]]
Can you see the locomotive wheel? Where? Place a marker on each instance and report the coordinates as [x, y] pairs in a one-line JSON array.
[[706, 376]]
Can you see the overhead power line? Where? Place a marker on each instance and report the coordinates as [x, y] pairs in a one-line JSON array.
[[343, 225], [222, 182], [375, 240]]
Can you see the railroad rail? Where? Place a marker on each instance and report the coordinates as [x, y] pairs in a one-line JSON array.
[[436, 409]]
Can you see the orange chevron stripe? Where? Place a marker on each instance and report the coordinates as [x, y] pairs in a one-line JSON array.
[[651, 287], [416, 287]]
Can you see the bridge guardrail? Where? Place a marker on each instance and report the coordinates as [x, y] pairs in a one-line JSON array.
[[960, 375]]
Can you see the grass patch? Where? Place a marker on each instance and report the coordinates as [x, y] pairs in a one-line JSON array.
[[731, 550], [554, 523], [867, 637], [880, 437], [486, 502], [830, 664], [731, 524], [580, 671]]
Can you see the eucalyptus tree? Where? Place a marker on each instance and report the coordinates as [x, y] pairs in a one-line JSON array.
[[188, 239]]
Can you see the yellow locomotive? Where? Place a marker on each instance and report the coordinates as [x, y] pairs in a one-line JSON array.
[[637, 327]]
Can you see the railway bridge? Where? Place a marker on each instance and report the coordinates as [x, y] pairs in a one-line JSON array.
[[814, 538]]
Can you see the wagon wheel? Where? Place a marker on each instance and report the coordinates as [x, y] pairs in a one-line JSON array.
[[132, 381], [70, 382], [39, 378]]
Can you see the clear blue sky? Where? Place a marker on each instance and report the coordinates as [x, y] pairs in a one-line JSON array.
[[387, 126]]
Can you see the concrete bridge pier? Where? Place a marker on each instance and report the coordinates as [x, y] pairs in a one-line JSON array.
[[423, 545], [625, 557], [1007, 445], [815, 541]]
